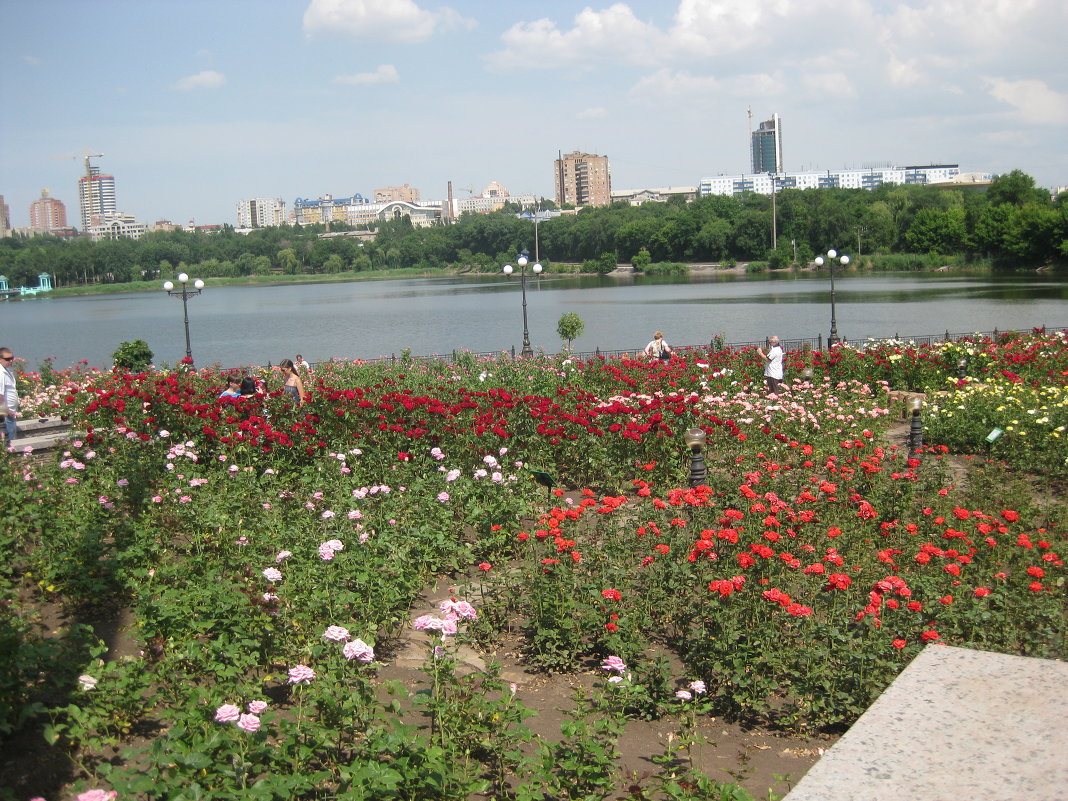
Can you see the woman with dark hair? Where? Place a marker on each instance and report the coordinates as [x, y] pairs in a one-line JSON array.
[[233, 386], [293, 386], [248, 387]]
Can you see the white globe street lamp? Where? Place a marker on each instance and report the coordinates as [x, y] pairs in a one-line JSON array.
[[832, 257], [185, 293], [522, 261]]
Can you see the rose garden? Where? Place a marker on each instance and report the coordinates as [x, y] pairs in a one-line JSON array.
[[271, 557]]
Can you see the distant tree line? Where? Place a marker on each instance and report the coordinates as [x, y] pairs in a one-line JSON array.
[[1011, 223]]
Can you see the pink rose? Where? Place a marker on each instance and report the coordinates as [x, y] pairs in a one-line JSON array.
[[249, 723], [227, 713]]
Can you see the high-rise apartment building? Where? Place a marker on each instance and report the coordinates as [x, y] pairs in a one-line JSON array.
[[391, 193], [47, 214], [767, 146], [583, 179], [261, 212], [96, 194], [5, 218]]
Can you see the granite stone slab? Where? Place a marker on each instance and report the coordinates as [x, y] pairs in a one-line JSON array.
[[956, 725]]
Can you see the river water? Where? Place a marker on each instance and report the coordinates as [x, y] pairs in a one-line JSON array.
[[368, 319]]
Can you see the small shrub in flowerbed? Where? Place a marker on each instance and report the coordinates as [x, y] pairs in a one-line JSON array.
[[272, 553]]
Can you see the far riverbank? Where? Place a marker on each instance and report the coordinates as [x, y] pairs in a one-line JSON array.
[[981, 268]]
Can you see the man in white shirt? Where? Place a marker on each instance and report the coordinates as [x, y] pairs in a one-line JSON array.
[[772, 364], [9, 396]]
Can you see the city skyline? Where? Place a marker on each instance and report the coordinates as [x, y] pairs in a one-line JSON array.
[[250, 99]]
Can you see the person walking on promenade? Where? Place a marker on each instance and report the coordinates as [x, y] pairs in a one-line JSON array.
[[658, 348], [293, 386], [772, 364], [9, 396]]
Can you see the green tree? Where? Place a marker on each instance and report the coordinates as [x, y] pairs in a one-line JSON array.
[[752, 235], [782, 257], [635, 236], [570, 327], [940, 232], [711, 240], [1016, 188], [641, 259], [1031, 233], [289, 262], [333, 264], [134, 356]]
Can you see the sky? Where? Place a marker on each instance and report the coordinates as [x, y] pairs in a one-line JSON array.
[[196, 105]]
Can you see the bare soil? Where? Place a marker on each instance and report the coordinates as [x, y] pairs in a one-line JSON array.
[[762, 761]]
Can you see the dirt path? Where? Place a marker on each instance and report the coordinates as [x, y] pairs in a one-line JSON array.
[[759, 760]]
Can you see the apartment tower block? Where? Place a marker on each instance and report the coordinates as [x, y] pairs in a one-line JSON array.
[[47, 214], [583, 179]]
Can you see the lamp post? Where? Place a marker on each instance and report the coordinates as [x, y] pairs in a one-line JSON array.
[[537, 257], [695, 441], [832, 257], [185, 293], [774, 221], [535, 268]]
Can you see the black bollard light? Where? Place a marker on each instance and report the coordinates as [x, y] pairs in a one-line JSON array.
[[695, 441], [916, 431], [962, 368]]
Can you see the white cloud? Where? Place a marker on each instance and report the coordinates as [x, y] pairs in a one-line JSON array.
[[977, 24], [830, 84], [665, 83], [596, 113], [597, 37], [33, 61], [728, 25], [757, 85], [386, 73], [1034, 101], [382, 20], [208, 79], [903, 73]]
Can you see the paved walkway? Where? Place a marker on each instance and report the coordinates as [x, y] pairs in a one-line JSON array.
[[956, 724], [41, 435]]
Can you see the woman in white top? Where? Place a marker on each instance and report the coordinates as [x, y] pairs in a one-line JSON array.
[[658, 348], [772, 364]]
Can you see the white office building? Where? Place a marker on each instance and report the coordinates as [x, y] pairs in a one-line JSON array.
[[868, 178]]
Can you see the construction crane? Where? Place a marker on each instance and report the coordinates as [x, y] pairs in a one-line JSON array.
[[87, 216]]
